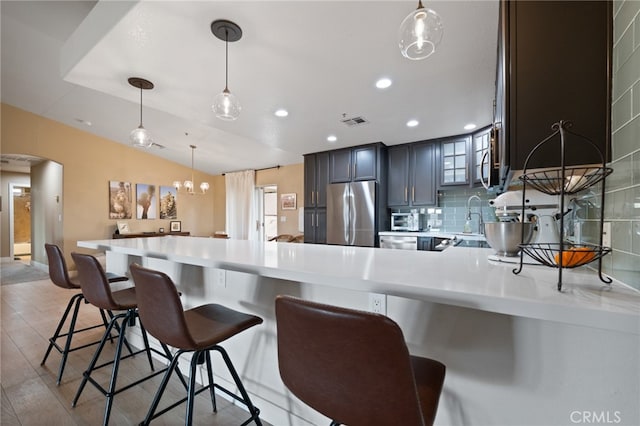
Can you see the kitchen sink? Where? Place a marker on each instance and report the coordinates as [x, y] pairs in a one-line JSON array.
[[470, 235], [472, 243]]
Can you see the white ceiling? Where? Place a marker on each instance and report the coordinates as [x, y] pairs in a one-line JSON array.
[[70, 60]]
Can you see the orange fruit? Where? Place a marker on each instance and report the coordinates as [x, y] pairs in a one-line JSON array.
[[575, 256]]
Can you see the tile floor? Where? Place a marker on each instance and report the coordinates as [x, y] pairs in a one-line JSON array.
[[29, 314]]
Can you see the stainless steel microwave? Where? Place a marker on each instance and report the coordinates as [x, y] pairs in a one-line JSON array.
[[406, 221]]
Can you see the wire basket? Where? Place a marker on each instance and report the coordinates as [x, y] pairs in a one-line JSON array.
[[573, 255], [576, 179]]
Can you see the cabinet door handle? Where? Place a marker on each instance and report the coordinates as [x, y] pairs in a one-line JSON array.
[[354, 170], [405, 194], [413, 194], [317, 198], [488, 182], [349, 169], [312, 197]]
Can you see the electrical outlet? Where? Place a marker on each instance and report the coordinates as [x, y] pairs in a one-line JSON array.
[[606, 234], [220, 277], [378, 303]]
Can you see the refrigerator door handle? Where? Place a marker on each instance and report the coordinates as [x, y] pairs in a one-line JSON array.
[[347, 202], [353, 219]]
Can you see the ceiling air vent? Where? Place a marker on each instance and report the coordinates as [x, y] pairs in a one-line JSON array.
[[354, 121]]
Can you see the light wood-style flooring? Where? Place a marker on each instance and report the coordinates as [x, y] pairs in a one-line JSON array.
[[29, 314]]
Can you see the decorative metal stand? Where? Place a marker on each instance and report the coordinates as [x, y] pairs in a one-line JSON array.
[[562, 181]]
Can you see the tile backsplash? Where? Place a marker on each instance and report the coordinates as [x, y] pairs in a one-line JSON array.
[[451, 213], [622, 188], [453, 203]]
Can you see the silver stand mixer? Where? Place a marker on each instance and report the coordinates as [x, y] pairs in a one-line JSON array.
[[541, 209]]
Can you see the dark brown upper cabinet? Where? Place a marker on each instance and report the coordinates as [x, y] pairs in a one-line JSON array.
[[411, 175], [354, 164], [554, 63]]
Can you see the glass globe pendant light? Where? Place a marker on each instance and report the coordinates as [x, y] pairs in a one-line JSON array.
[[139, 136], [420, 33], [225, 104]]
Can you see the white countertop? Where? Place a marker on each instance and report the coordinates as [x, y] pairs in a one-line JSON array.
[[457, 276]]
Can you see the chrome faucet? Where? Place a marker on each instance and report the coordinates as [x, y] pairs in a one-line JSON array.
[[481, 219]]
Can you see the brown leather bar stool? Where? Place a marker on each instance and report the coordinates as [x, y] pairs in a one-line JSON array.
[[96, 289], [59, 275], [354, 367], [198, 330]]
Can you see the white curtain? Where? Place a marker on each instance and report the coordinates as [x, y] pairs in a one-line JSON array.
[[241, 211]]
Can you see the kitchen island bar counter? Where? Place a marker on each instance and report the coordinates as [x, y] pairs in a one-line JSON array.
[[461, 277]]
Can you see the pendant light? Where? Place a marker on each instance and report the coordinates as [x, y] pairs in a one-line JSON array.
[[226, 105], [139, 136], [420, 33], [188, 185]]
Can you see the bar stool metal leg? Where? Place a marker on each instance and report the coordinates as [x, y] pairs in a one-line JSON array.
[[212, 389], [75, 303], [126, 318], [253, 410], [165, 380]]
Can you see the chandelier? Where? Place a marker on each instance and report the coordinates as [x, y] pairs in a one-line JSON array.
[[188, 185]]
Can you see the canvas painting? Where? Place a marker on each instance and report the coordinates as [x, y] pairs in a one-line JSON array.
[[168, 202], [120, 197], [146, 201]]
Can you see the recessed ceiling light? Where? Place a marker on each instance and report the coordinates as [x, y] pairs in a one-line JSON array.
[[412, 123], [383, 83], [281, 112], [470, 126], [332, 138]]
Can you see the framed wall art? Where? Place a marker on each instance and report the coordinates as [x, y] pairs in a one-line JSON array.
[[168, 202], [120, 197], [123, 227], [288, 201], [175, 226], [146, 201]]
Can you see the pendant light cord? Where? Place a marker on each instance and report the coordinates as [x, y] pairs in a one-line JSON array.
[[140, 105], [226, 60]]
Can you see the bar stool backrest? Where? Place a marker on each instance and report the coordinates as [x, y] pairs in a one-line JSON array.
[[58, 267], [94, 282], [351, 366], [160, 308]]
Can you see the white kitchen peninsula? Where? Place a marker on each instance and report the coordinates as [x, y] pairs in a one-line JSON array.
[[517, 351]]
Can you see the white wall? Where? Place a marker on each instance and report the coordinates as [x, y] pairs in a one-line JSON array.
[[47, 197]]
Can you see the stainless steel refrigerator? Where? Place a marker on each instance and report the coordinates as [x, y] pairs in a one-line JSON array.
[[351, 211]]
